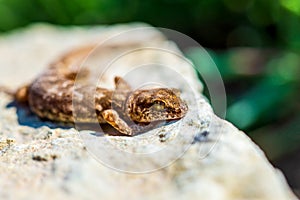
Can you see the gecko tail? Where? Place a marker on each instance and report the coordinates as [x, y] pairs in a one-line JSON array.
[[21, 95]]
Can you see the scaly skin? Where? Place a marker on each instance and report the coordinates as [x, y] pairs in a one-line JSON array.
[[53, 96]]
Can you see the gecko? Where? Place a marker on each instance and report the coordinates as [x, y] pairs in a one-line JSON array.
[[52, 95]]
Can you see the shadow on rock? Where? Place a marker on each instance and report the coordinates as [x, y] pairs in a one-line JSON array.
[[27, 118]]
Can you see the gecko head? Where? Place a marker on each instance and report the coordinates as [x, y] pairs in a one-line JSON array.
[[155, 105]]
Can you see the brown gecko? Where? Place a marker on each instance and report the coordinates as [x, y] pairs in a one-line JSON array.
[[53, 94]]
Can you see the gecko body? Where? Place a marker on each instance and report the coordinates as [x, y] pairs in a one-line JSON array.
[[53, 95]]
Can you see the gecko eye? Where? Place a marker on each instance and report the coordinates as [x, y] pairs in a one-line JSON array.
[[158, 105]]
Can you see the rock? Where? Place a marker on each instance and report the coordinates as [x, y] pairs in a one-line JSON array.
[[198, 157]]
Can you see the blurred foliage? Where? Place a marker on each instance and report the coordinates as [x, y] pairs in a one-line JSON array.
[[214, 23], [262, 80], [262, 87]]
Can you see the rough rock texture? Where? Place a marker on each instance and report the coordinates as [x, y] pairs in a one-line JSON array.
[[199, 157]]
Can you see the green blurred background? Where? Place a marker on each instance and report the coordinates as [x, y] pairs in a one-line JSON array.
[[255, 44]]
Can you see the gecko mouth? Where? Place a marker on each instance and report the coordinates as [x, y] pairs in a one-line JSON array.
[[167, 114], [176, 114]]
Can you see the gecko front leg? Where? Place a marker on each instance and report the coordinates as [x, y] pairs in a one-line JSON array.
[[121, 84], [113, 118]]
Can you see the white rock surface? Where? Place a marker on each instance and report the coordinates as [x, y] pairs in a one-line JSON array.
[[172, 162]]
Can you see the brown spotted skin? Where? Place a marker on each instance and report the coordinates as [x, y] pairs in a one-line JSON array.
[[53, 94], [155, 105]]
